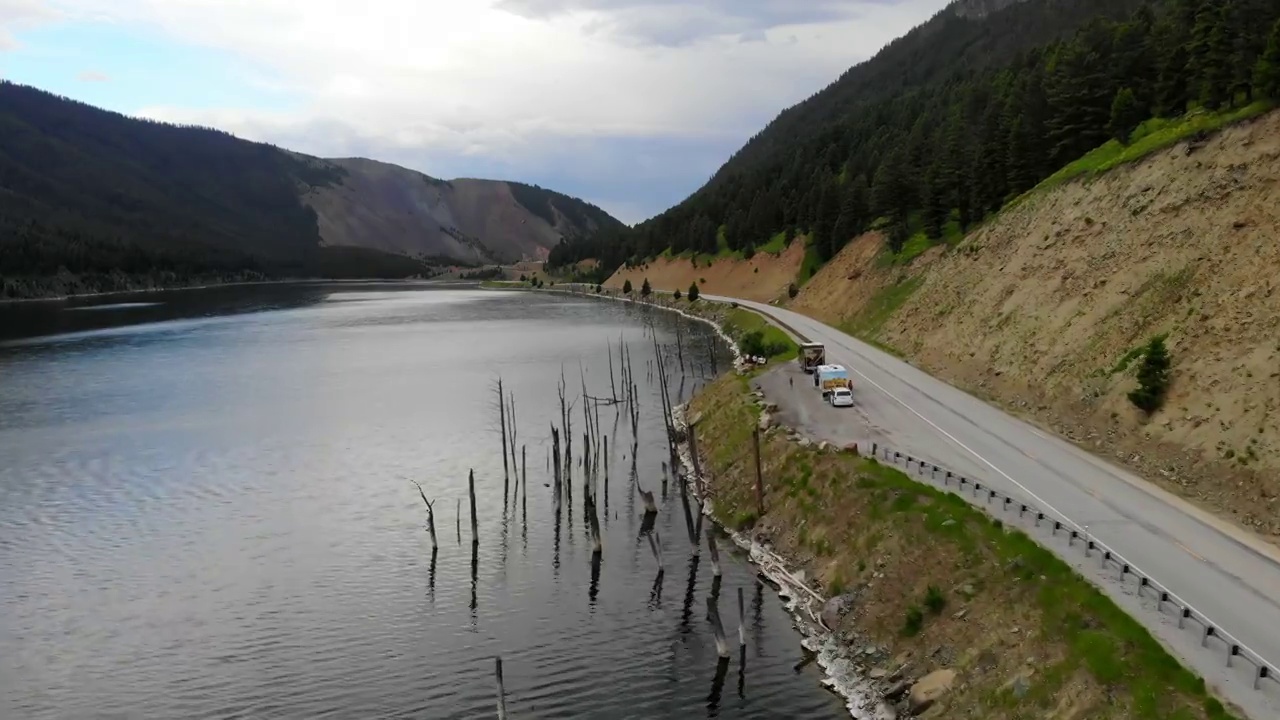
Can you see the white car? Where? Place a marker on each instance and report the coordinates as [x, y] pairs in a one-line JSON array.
[[841, 397]]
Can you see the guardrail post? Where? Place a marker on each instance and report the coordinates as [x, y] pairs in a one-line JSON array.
[[1088, 547], [1005, 505], [946, 480], [991, 495], [1106, 556], [1161, 600], [1182, 616], [1039, 517], [1263, 672], [1056, 527], [1022, 511], [977, 488], [1233, 651], [1071, 538], [934, 475], [1209, 630]]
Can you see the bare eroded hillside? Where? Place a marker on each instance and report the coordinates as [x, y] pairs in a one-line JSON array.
[[1040, 309], [763, 278]]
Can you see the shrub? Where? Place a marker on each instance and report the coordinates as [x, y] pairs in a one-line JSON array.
[[646, 288], [934, 600], [598, 288], [792, 290], [754, 343], [1153, 377], [676, 294], [693, 292], [914, 622], [626, 287]]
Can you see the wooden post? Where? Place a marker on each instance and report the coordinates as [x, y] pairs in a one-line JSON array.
[[459, 514], [524, 472], [502, 691], [471, 490], [755, 444]]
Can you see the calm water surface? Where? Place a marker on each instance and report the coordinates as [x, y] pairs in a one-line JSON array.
[[205, 512]]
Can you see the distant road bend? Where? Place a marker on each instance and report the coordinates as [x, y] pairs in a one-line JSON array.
[[1226, 573]]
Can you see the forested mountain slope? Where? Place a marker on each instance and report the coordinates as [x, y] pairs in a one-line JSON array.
[[965, 112], [92, 201]]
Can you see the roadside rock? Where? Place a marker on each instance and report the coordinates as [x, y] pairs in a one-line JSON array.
[[766, 421], [929, 689], [835, 609]]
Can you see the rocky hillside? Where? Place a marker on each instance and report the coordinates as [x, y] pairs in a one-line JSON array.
[[764, 277], [1046, 307], [93, 201], [386, 207]]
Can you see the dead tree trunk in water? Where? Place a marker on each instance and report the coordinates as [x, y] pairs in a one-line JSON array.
[[524, 473], [459, 514], [713, 613], [511, 421], [471, 490], [431, 515], [502, 421], [714, 552], [502, 691]]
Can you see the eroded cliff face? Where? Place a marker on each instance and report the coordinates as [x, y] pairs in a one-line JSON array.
[[1043, 308]]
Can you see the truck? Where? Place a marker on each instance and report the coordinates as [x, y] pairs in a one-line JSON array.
[[812, 354], [830, 377]]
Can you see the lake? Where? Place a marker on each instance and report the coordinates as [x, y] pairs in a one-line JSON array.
[[206, 511]]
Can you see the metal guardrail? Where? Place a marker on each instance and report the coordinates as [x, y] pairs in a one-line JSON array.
[[1109, 559]]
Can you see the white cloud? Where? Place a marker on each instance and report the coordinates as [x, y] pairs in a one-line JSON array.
[[19, 14], [510, 81]]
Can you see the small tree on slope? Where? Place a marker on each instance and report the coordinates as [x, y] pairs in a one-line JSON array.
[[1153, 377], [693, 291], [626, 287], [645, 289]]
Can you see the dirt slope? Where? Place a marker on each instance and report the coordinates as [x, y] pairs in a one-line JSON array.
[[391, 208], [763, 278], [1038, 309]]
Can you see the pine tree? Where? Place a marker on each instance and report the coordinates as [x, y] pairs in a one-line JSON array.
[[646, 289], [1266, 74], [626, 287], [1153, 377], [1210, 55], [693, 291], [828, 215], [1126, 115]]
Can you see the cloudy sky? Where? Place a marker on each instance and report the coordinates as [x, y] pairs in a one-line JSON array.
[[631, 104]]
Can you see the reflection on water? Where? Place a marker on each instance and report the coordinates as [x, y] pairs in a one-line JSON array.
[[206, 511]]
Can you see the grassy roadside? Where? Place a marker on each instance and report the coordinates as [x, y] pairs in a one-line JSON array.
[[942, 584]]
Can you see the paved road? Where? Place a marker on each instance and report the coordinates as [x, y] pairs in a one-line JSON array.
[[1225, 573]]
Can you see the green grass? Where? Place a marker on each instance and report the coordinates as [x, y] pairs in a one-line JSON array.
[[739, 322], [870, 321], [776, 245], [810, 265], [1102, 638], [1151, 136]]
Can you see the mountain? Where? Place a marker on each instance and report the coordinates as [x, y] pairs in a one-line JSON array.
[[92, 201], [389, 208], [962, 114]]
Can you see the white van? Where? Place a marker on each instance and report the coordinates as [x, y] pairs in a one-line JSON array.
[[841, 397]]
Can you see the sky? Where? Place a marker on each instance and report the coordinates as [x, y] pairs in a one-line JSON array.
[[630, 104]]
